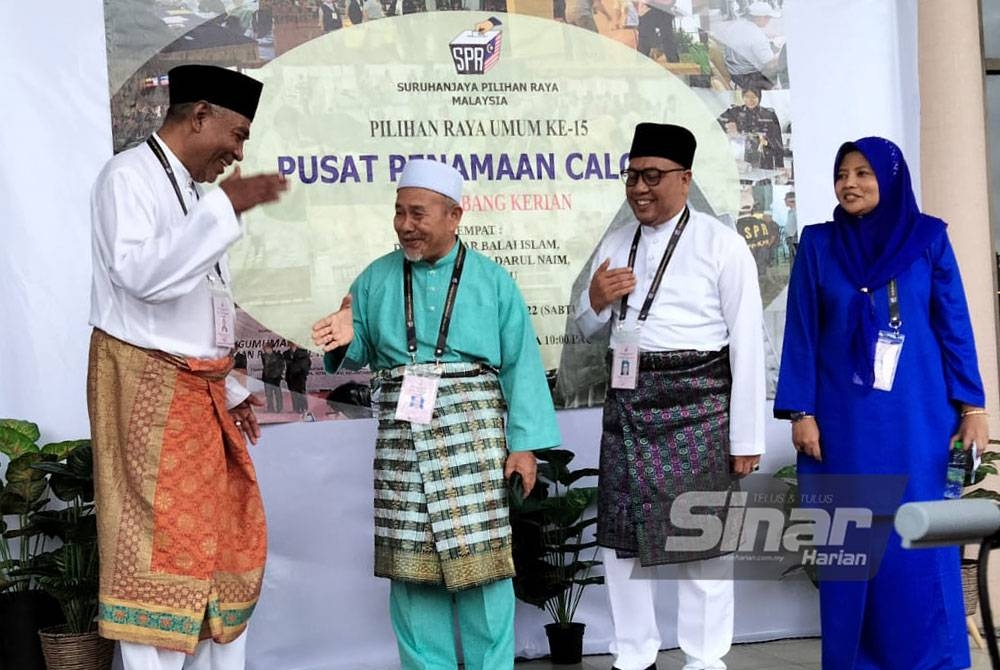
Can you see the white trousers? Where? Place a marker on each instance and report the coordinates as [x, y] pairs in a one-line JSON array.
[[704, 612], [208, 655]]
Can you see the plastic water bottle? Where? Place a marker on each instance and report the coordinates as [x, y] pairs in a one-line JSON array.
[[958, 463]]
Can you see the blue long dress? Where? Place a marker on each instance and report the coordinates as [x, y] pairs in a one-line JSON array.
[[910, 615]]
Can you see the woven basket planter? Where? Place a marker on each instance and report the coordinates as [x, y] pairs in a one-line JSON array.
[[75, 651], [970, 585]]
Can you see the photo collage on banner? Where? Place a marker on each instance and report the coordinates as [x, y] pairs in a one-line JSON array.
[[534, 101]]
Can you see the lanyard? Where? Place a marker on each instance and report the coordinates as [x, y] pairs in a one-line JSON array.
[[449, 306], [895, 320], [162, 157], [658, 277]]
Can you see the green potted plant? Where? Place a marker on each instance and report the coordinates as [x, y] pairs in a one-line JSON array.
[[549, 528], [24, 607], [986, 467], [970, 566], [789, 476], [70, 572]]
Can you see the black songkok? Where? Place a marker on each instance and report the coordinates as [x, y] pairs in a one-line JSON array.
[[664, 141], [217, 85]]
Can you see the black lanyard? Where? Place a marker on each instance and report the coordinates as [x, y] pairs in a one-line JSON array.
[[449, 305], [895, 320], [658, 277], [162, 157]]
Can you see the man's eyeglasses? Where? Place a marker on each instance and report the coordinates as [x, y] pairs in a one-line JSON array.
[[651, 176]]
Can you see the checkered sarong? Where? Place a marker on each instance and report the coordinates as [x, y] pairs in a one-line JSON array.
[[440, 498]]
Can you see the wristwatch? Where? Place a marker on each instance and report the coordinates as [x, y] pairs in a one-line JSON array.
[[798, 416]]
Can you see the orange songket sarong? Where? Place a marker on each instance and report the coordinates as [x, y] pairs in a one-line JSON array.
[[180, 518]]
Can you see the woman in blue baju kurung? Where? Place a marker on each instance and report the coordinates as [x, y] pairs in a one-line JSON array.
[[909, 615]]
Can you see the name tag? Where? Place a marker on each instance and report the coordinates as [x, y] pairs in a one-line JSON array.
[[887, 349], [224, 313], [417, 397], [624, 357]]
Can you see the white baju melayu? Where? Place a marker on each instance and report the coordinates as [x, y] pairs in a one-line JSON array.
[[154, 270], [153, 267], [709, 299]]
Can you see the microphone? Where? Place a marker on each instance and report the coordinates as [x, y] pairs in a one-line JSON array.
[[941, 523]]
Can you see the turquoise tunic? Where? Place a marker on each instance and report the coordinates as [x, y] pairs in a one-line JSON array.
[[489, 324]]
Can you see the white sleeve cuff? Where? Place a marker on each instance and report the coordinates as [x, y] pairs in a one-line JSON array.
[[587, 319], [235, 392], [745, 449]]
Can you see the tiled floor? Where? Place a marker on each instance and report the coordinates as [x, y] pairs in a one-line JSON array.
[[778, 655]]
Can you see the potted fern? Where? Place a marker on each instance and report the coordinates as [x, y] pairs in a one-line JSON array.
[[550, 535]]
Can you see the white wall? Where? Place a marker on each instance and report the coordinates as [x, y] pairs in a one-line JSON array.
[[55, 134]]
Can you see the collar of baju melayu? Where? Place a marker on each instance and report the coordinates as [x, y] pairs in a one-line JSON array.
[[445, 261], [181, 173], [661, 229]]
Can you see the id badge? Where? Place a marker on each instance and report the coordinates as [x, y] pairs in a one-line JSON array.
[[624, 357], [224, 314], [417, 397], [887, 349]]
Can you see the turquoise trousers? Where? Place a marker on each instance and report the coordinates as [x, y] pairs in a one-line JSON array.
[[423, 617]]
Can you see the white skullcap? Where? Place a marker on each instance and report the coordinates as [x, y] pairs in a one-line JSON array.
[[761, 8], [432, 175]]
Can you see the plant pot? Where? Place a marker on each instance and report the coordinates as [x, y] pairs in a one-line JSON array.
[[565, 642], [22, 614], [75, 651], [970, 585]]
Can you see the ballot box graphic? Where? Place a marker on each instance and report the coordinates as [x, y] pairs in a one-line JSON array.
[[474, 52]]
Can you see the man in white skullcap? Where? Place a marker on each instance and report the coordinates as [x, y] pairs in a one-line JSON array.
[[449, 340]]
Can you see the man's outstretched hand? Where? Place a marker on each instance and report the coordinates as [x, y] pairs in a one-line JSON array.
[[247, 192]]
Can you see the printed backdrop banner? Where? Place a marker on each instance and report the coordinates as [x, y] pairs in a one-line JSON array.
[[536, 113]]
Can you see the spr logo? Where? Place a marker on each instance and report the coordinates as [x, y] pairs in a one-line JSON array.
[[476, 51]]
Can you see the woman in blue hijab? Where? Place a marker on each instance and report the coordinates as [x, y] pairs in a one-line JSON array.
[[855, 413]]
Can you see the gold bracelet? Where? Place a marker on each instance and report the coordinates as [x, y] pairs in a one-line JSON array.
[[971, 412]]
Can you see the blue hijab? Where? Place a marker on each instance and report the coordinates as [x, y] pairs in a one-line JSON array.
[[877, 246]]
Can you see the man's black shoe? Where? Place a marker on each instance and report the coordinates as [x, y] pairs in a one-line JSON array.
[[652, 667]]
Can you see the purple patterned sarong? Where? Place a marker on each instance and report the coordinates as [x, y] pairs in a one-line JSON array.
[[668, 436]]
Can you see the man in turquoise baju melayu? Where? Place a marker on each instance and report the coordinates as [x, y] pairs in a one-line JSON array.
[[451, 347]]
